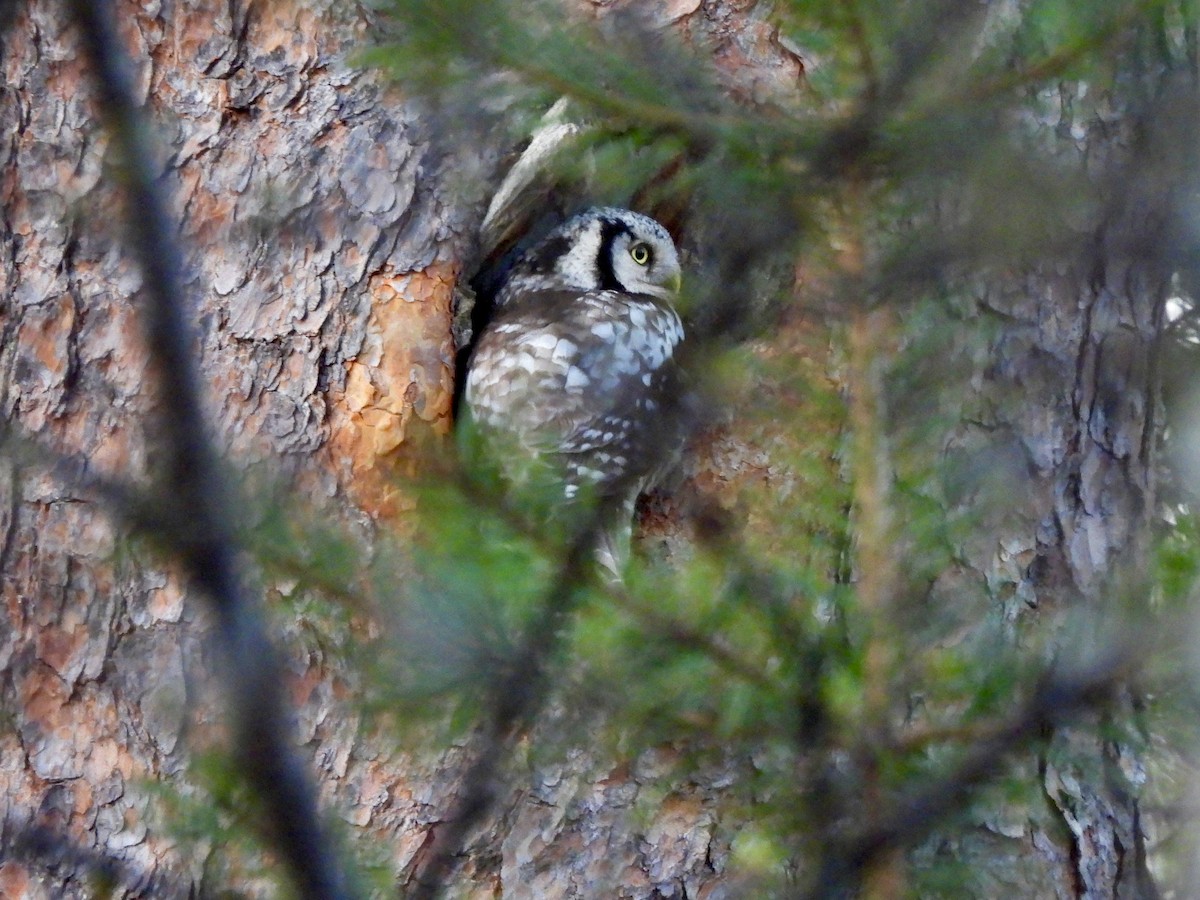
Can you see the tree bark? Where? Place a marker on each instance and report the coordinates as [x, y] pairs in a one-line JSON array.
[[325, 237], [321, 274], [1072, 408]]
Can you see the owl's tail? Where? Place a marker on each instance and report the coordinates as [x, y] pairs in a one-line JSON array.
[[612, 547]]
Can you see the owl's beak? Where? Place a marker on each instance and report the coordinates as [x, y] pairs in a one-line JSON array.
[[676, 283]]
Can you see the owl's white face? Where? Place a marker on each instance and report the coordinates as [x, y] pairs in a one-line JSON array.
[[609, 249], [644, 260]]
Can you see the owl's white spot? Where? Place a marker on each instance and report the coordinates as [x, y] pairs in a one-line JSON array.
[[646, 379], [604, 331], [563, 350], [637, 317], [622, 356], [576, 378], [541, 341]]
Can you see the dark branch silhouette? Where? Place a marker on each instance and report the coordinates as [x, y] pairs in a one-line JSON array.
[[50, 849], [203, 538], [517, 697], [1059, 699]]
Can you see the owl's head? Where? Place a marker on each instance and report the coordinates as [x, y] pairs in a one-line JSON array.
[[607, 248]]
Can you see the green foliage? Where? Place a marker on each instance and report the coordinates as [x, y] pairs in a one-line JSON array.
[[758, 648], [211, 818], [212, 815], [723, 653]]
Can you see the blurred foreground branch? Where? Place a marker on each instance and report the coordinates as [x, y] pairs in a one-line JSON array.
[[910, 818], [204, 539], [518, 695]]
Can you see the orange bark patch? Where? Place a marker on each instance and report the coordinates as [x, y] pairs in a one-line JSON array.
[[398, 390], [302, 688], [44, 697], [14, 880], [58, 647], [42, 340], [53, 746]]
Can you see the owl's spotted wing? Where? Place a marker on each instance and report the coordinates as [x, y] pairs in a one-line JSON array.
[[578, 380]]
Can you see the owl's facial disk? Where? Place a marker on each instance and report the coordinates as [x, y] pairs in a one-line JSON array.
[[645, 263], [619, 250]]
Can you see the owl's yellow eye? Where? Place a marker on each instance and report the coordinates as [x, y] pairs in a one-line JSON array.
[[640, 254]]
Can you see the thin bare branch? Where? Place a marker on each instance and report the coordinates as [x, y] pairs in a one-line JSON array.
[[876, 552]]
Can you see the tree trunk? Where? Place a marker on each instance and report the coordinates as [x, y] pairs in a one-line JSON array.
[[325, 238], [322, 270], [1070, 412]]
